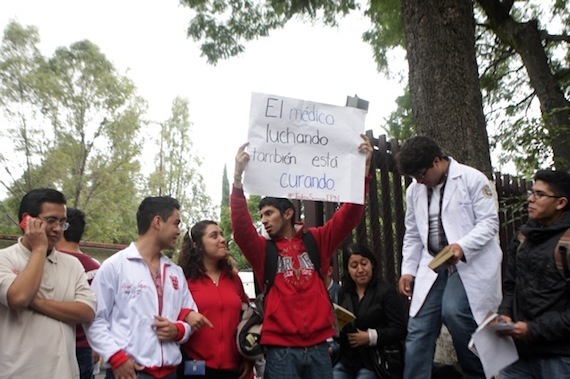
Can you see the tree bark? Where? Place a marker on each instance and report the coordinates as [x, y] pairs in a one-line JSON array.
[[443, 77], [525, 39]]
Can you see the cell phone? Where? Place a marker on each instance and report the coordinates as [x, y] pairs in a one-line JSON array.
[[24, 221]]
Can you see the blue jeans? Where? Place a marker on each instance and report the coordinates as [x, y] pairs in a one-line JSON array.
[[85, 360], [298, 362], [538, 368], [340, 371], [446, 302]]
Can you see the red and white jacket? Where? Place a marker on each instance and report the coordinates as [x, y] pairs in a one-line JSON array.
[[127, 301]]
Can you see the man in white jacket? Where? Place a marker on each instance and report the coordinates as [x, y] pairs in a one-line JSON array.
[[143, 299], [448, 204]]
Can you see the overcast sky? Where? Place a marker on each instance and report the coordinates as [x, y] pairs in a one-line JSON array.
[[146, 40]]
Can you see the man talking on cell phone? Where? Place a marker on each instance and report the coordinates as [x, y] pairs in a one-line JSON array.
[[43, 294]]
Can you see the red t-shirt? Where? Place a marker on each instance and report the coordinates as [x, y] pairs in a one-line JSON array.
[[91, 266]]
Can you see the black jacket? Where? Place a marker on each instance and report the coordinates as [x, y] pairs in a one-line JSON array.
[[382, 309], [536, 293]]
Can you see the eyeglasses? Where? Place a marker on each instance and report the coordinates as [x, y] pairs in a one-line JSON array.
[[420, 176], [51, 221], [539, 194]]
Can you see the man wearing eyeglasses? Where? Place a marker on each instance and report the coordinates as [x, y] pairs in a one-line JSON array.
[[447, 205], [536, 292], [43, 294]]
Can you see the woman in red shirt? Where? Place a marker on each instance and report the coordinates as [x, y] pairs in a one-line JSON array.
[[219, 294]]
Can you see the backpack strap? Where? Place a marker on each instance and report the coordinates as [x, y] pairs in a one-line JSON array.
[[271, 261], [562, 255], [272, 258], [313, 251]]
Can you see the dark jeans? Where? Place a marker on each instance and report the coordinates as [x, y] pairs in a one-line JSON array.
[[85, 360], [552, 367], [311, 362], [446, 302]]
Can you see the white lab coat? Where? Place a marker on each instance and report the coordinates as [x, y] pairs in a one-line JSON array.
[[470, 219]]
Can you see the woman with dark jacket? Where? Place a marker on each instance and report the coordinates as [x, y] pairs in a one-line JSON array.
[[380, 317]]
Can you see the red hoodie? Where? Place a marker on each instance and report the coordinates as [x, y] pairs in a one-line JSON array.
[[297, 308]]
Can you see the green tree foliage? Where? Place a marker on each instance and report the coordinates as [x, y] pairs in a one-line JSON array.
[[225, 206], [222, 26], [77, 130], [96, 117], [226, 225], [386, 33], [523, 54], [225, 188], [20, 94], [521, 50], [400, 124], [252, 205], [449, 29], [177, 167]]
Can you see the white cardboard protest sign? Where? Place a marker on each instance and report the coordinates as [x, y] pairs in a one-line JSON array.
[[304, 150]]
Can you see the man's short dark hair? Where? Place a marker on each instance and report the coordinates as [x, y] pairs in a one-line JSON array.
[[558, 181], [76, 220], [416, 154], [152, 206], [280, 203], [32, 201]]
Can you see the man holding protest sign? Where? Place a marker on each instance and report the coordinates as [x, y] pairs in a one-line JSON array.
[[297, 319]]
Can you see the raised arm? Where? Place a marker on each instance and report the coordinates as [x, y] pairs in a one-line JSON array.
[[365, 147], [242, 157]]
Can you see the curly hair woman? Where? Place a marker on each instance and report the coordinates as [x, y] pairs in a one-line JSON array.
[[219, 294]]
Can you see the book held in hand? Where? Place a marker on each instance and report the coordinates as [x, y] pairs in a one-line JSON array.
[[343, 315], [440, 258]]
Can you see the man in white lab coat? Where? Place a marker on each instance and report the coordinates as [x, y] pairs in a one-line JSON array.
[[448, 204]]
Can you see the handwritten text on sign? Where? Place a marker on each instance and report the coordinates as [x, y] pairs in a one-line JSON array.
[[304, 150]]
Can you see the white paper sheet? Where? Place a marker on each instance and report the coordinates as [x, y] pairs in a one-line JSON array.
[[495, 352], [304, 150]]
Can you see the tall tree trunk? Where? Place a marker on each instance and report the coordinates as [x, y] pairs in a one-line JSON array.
[[443, 77], [525, 39]]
